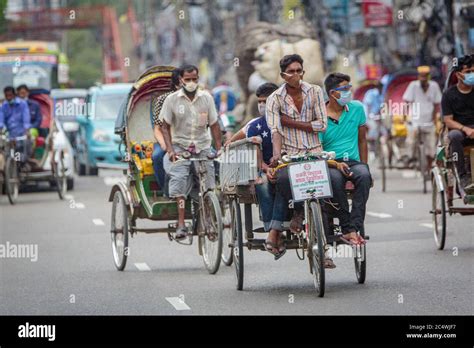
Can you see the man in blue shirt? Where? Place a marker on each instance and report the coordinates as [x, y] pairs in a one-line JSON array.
[[35, 112], [346, 135], [15, 117]]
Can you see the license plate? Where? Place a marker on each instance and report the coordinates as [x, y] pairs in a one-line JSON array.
[[309, 180]]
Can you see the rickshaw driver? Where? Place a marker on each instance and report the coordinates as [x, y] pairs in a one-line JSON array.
[[294, 102], [186, 114], [458, 115], [15, 117]]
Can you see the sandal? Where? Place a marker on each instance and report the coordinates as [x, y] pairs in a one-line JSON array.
[[281, 249], [181, 233], [350, 240], [329, 263], [296, 222], [272, 247], [361, 239]]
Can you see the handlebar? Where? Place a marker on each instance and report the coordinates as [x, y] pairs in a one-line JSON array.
[[311, 156], [188, 156]]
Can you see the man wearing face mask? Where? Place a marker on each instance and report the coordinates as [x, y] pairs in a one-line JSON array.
[[15, 117], [295, 113], [346, 135], [35, 112], [258, 128], [458, 113], [424, 98], [187, 114]]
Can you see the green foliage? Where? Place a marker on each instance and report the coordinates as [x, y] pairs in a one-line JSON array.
[[85, 58], [3, 21]]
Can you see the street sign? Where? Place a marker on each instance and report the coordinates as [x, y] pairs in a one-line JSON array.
[[377, 13]]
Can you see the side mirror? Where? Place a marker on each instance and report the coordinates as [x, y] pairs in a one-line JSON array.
[[82, 120]]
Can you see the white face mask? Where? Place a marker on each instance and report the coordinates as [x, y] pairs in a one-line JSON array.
[[190, 86], [261, 109]]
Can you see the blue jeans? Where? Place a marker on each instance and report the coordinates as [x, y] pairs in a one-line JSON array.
[[283, 197], [266, 198], [158, 168], [353, 219]]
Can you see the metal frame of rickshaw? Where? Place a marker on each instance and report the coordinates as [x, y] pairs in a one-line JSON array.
[[140, 197], [446, 183], [241, 190]]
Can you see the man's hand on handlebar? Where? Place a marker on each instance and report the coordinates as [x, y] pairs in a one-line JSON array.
[[172, 155]]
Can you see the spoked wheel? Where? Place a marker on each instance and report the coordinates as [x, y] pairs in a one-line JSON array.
[[59, 172], [211, 240], [237, 242], [382, 164], [226, 232], [316, 247], [120, 229], [439, 215], [12, 179], [360, 259]]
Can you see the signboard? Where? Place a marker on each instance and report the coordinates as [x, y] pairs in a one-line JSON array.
[[377, 13], [309, 176], [29, 58], [373, 71]]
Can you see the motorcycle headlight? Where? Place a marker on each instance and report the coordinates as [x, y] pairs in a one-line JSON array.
[[100, 136]]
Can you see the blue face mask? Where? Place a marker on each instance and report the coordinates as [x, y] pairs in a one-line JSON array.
[[469, 79], [346, 98]]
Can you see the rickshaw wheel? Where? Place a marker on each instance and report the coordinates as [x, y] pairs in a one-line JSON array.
[[211, 240], [120, 229], [316, 247], [382, 163], [226, 232], [439, 215], [238, 243], [59, 172], [12, 183], [360, 260]]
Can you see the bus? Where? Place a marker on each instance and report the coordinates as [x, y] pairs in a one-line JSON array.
[[37, 64]]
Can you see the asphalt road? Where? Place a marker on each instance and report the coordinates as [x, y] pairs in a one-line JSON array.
[[74, 271]]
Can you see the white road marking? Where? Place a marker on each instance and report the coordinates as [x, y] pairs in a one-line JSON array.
[[427, 225], [98, 222], [112, 180], [379, 215], [142, 267], [178, 303], [79, 205], [69, 197], [408, 174]]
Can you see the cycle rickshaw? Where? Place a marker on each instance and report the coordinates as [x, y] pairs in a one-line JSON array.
[[48, 162], [446, 183], [392, 148], [310, 184], [141, 197]]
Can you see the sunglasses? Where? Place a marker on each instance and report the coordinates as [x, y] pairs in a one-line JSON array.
[[343, 88], [293, 72]]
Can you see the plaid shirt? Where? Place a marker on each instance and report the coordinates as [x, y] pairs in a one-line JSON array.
[[157, 104], [297, 141]]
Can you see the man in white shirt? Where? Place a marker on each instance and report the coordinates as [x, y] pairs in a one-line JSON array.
[[189, 124], [424, 98]]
